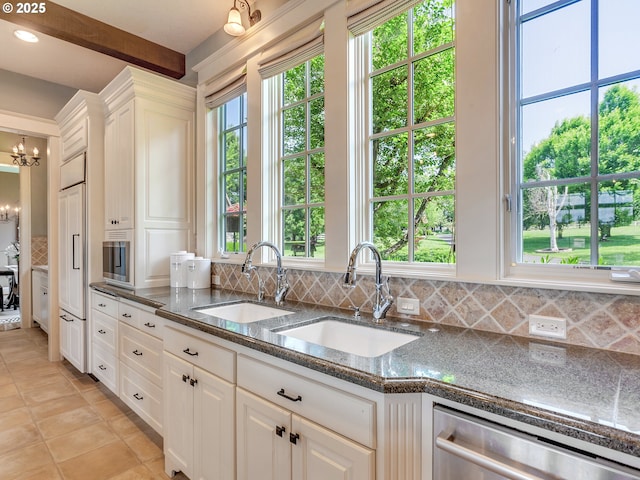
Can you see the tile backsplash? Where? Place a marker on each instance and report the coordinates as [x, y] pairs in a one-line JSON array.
[[39, 251], [606, 321]]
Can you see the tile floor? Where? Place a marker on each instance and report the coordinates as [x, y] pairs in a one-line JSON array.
[[56, 423]]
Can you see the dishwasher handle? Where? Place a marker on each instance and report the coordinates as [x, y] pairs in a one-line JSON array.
[[445, 442]]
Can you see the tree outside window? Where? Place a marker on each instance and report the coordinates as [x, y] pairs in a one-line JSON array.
[[412, 134], [232, 131], [578, 141], [302, 159]]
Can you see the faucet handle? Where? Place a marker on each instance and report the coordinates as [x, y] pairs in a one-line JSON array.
[[356, 311]]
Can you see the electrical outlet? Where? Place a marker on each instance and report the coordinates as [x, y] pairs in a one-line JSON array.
[[547, 354], [216, 279], [410, 306], [550, 327]]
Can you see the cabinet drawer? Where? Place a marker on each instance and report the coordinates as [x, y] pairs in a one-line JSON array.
[[129, 314], [104, 331], [105, 304], [151, 324], [105, 367], [208, 356], [141, 352], [342, 412], [144, 397]]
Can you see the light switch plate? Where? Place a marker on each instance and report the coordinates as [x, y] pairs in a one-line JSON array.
[[410, 306]]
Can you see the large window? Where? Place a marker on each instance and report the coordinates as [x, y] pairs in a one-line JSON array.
[[302, 159], [578, 132], [412, 134], [232, 134]]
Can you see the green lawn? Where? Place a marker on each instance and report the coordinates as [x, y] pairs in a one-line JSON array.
[[621, 248]]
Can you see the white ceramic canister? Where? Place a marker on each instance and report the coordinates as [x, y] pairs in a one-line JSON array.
[[177, 274], [198, 272]]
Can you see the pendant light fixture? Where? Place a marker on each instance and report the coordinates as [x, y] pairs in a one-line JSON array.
[[234, 22], [20, 157]]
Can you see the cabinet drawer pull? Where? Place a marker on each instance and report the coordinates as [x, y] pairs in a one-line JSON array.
[[185, 378], [101, 332], [102, 367], [126, 315], [294, 437], [193, 382], [137, 353], [150, 325], [102, 305], [280, 430], [188, 352], [282, 394], [137, 396], [64, 317]]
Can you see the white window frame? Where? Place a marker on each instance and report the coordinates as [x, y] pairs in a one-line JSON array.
[[579, 278]]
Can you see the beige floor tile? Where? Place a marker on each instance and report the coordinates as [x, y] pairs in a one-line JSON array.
[[46, 393], [137, 473], [26, 384], [50, 472], [157, 467], [68, 422], [19, 464], [108, 409], [8, 390], [97, 394], [19, 437], [100, 464], [32, 367], [80, 441], [14, 418], [5, 378], [124, 425], [83, 383], [9, 403], [57, 406], [19, 355], [144, 447]]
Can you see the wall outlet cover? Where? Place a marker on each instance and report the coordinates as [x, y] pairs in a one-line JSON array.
[[409, 306], [549, 327]]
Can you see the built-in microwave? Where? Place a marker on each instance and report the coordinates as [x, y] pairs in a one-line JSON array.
[[116, 263]]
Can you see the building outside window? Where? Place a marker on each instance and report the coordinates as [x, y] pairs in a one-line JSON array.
[[232, 134], [411, 82], [577, 136], [302, 159]]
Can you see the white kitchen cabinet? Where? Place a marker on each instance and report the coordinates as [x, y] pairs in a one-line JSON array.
[[72, 340], [274, 444], [39, 299], [140, 365], [277, 439], [149, 165], [71, 252], [199, 430], [104, 339], [118, 169]]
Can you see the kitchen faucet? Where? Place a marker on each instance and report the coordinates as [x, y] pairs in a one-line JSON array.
[[383, 300], [282, 287]]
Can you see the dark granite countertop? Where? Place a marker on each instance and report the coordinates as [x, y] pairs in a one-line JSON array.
[[589, 394]]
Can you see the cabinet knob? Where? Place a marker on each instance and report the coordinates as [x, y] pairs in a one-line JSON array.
[[280, 430], [101, 305], [185, 378], [294, 437], [193, 382], [102, 367], [101, 332]]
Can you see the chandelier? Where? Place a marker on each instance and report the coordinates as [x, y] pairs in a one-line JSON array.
[[21, 159]]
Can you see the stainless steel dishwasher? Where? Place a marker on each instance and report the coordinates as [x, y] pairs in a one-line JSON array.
[[469, 448]]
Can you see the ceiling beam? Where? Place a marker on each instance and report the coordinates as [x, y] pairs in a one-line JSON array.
[[71, 26]]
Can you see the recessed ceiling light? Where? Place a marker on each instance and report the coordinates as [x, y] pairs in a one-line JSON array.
[[26, 36]]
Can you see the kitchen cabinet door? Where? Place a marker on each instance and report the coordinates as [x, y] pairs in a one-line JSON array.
[[72, 340], [71, 250], [178, 416], [214, 427], [118, 168], [320, 454], [263, 447]]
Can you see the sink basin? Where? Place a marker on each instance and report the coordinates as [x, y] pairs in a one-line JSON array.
[[347, 337], [244, 312]]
